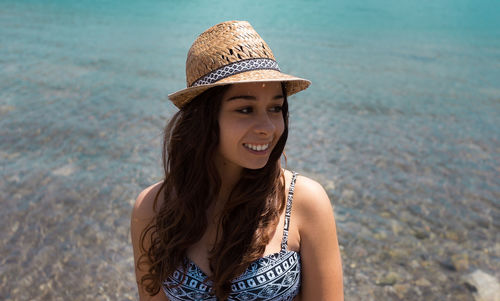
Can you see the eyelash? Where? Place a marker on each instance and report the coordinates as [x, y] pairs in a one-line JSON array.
[[280, 109], [276, 109]]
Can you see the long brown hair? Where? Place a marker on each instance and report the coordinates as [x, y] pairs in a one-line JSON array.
[[190, 185]]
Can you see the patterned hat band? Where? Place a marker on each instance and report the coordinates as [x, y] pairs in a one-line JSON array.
[[235, 68]]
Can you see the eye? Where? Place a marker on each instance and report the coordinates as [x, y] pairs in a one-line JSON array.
[[246, 110], [277, 109]]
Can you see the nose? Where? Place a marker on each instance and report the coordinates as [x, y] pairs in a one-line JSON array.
[[264, 125]]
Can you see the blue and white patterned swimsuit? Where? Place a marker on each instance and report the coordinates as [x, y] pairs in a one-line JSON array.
[[275, 277]]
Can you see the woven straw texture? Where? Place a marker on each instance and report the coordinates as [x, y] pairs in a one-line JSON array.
[[224, 44]]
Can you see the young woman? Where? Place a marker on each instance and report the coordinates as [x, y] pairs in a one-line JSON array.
[[221, 225]]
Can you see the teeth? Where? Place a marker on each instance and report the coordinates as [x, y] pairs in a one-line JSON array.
[[256, 147]]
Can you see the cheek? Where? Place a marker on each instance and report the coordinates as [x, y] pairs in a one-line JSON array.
[[280, 127], [234, 128], [228, 133]]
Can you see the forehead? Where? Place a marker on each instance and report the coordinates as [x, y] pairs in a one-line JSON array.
[[254, 88]]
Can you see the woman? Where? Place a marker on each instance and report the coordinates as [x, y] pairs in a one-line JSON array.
[[221, 225]]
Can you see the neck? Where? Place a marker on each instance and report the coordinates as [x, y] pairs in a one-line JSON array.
[[229, 174], [229, 177]]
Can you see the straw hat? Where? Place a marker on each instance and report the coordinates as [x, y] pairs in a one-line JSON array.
[[227, 53]]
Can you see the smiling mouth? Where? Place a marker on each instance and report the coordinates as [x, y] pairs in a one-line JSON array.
[[257, 147]]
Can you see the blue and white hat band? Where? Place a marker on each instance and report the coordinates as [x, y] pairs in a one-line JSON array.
[[235, 68]]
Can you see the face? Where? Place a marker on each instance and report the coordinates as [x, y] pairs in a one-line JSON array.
[[251, 123]]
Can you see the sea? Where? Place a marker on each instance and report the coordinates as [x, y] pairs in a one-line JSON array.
[[401, 126]]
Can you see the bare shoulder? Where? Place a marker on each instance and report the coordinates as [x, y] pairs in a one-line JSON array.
[[319, 249], [142, 214], [145, 207], [310, 198], [311, 205]]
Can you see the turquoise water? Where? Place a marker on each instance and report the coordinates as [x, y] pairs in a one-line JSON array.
[[400, 125]]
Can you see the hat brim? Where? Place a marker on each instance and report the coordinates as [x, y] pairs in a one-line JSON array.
[[292, 84]]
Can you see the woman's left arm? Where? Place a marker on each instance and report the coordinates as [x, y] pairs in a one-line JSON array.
[[319, 247]]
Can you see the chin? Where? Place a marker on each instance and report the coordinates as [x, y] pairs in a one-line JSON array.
[[256, 166]]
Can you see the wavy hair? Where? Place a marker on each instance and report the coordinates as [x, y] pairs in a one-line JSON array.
[[192, 183]]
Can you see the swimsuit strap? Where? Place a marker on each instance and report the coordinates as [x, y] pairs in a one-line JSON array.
[[284, 241]]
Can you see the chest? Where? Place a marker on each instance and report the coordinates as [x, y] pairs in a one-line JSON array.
[[199, 252]]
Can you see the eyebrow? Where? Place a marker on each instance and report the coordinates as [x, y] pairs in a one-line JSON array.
[[250, 97]]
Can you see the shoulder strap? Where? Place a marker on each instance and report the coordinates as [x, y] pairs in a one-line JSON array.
[[284, 241]]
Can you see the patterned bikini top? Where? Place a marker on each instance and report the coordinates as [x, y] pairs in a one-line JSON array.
[[275, 277]]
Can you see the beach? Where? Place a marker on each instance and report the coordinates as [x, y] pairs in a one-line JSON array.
[[400, 126]]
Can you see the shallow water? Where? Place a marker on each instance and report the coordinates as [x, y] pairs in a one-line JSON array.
[[399, 125]]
